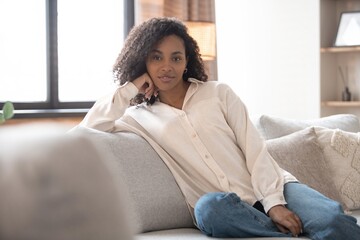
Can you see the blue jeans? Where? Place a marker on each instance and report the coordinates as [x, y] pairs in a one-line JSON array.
[[225, 215]]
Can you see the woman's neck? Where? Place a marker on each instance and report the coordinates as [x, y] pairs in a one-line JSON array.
[[175, 98]]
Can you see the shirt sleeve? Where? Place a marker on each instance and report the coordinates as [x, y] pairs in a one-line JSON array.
[[108, 109], [266, 176]]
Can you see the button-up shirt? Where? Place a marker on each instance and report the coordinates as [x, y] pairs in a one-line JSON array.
[[210, 145]]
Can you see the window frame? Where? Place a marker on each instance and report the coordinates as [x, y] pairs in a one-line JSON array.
[[52, 107]]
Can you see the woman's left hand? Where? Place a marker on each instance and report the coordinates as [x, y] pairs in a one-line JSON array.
[[146, 85]]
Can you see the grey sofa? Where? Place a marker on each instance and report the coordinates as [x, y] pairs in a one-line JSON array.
[[159, 209], [148, 204]]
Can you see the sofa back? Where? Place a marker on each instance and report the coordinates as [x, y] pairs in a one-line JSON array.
[[271, 127], [156, 200]]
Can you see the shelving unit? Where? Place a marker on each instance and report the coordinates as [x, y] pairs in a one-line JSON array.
[[331, 58]]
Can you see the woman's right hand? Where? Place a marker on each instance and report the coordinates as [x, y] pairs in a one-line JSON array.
[[286, 220], [145, 85]]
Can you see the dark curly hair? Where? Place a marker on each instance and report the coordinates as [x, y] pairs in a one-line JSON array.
[[131, 62]]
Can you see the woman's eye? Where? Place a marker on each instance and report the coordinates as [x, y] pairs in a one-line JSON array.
[[177, 59], [157, 58]]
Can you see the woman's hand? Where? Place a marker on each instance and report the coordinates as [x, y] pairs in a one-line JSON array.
[[286, 220], [145, 85]]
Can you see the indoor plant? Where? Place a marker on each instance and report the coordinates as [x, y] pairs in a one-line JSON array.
[[7, 112]]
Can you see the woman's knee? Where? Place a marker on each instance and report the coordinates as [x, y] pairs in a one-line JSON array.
[[209, 202], [210, 208], [213, 204]]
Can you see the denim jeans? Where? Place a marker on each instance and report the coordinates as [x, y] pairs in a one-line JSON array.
[[221, 214]]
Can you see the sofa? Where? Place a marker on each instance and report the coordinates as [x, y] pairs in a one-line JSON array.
[[140, 199]]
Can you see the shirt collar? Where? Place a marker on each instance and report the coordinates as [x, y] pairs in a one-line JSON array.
[[192, 89], [194, 80]]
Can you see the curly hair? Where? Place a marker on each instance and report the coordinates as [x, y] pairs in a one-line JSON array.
[[131, 62]]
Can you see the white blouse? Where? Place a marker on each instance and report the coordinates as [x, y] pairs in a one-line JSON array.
[[210, 145]]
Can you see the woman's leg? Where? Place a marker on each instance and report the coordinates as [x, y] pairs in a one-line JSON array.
[[225, 215], [322, 217]]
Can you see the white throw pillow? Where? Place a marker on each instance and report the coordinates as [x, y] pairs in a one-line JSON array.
[[342, 154], [301, 155], [327, 160]]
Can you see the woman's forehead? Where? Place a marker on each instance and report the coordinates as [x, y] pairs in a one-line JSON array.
[[171, 41]]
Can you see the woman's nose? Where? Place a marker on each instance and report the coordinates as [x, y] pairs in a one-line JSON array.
[[166, 67]]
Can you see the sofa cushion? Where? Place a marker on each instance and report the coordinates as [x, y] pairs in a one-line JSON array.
[[157, 201], [194, 234], [273, 127], [300, 154]]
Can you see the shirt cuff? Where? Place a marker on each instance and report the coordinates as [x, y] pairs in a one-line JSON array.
[[273, 200], [130, 90]]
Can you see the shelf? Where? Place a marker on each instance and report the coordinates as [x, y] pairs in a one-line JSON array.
[[341, 104], [334, 58], [340, 49]]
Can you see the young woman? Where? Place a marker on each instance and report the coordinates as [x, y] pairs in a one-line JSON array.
[[202, 131]]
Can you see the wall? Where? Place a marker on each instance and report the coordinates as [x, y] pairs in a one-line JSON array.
[[268, 51]]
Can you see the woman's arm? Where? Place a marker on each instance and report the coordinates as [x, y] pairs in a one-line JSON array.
[[108, 109], [266, 176]]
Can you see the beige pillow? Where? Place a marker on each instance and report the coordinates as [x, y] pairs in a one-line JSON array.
[[342, 154], [300, 154]]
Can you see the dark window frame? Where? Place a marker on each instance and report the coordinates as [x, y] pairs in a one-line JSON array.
[[52, 107]]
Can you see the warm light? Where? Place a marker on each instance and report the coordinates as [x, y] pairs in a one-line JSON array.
[[204, 34]]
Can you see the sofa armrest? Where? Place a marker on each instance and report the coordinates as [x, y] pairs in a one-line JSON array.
[[59, 188]]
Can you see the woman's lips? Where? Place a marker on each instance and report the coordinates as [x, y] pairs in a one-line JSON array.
[[166, 78]]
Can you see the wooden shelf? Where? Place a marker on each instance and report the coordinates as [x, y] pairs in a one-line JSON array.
[[340, 49], [332, 58], [341, 104]]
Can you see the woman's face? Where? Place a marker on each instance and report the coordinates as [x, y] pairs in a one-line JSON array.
[[166, 63]]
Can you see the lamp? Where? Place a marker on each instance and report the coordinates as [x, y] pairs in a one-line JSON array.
[[204, 35]]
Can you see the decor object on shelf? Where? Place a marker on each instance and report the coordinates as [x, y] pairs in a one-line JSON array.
[[7, 112], [348, 33], [346, 94]]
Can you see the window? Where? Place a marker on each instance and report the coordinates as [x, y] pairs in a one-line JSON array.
[[60, 54], [23, 51]]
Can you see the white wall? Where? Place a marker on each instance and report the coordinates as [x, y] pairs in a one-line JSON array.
[[268, 51]]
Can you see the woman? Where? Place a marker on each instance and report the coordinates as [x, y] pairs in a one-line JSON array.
[[202, 131]]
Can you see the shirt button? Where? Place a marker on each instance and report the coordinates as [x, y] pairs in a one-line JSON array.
[[194, 135], [182, 114], [222, 176], [206, 156]]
